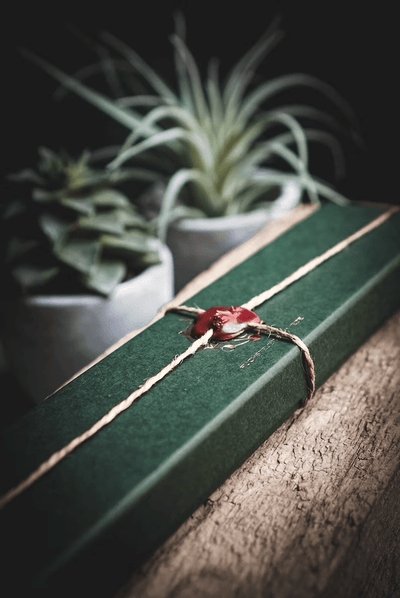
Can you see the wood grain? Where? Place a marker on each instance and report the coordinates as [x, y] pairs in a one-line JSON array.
[[314, 512]]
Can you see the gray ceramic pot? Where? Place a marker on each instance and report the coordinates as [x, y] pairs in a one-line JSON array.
[[47, 339], [196, 243]]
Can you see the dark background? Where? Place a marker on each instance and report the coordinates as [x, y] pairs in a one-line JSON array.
[[347, 45]]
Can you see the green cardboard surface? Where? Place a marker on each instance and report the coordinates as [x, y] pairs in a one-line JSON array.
[[99, 513]]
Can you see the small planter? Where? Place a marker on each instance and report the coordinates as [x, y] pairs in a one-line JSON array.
[[47, 339], [196, 243]]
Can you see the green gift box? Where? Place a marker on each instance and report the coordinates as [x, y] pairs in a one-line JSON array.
[[82, 528]]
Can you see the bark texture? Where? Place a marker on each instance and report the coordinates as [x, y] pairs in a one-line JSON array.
[[314, 512]]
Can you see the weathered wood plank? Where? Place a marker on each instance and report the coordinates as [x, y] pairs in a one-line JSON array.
[[314, 511]]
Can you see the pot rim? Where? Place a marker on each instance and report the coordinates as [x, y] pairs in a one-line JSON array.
[[290, 194]]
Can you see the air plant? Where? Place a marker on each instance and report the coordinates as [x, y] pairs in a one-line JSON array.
[[221, 139], [67, 228]]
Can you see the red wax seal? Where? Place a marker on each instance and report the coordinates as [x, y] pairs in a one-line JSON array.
[[227, 322]]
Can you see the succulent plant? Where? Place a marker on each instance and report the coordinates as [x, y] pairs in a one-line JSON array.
[[68, 229], [221, 141]]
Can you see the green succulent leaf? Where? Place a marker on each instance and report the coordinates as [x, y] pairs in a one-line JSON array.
[[109, 198], [49, 159], [53, 227], [14, 208], [27, 175], [113, 221], [80, 254], [41, 195], [82, 205], [150, 258], [108, 222], [17, 247], [130, 219], [138, 174], [104, 276], [131, 243], [83, 216], [32, 275]]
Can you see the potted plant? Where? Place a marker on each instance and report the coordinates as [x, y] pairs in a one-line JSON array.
[[221, 144], [81, 268]]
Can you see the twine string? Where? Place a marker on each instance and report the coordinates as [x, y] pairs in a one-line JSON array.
[[307, 359], [57, 456], [280, 334], [314, 263], [104, 421]]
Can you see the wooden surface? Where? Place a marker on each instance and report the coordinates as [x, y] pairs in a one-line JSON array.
[[314, 512]]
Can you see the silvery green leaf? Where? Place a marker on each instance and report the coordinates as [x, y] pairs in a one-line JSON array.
[[180, 67], [183, 211], [140, 100], [140, 65], [196, 141], [193, 77], [270, 88], [176, 183], [126, 117], [325, 138], [220, 136]]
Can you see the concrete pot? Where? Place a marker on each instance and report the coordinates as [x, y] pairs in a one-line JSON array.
[[196, 243], [47, 339]]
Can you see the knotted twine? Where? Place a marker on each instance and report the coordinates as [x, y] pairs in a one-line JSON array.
[[56, 457]]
